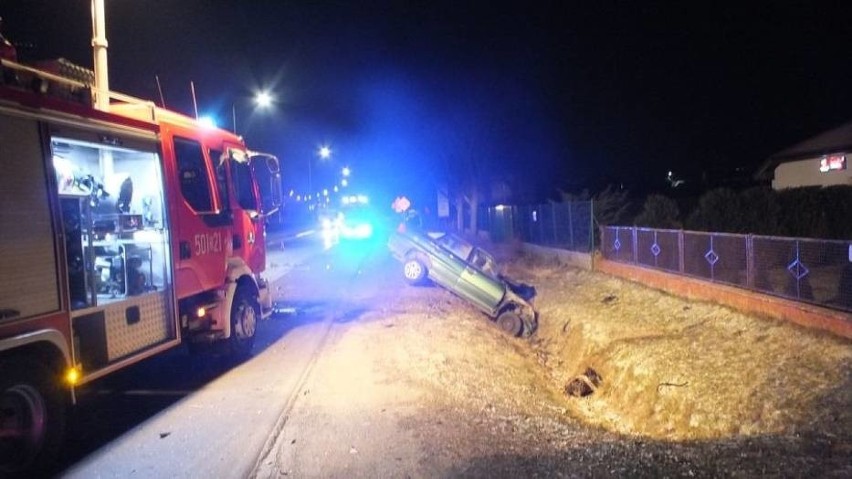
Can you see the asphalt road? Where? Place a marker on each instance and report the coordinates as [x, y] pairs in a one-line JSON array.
[[179, 415]]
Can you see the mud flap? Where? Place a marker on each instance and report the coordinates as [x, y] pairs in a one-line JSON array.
[[264, 297]]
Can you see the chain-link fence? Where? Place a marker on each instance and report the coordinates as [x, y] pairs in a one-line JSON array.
[[559, 225], [809, 270]]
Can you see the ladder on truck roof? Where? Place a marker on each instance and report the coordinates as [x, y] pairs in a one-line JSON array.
[[63, 80]]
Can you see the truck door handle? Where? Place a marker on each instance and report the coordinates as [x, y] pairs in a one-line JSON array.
[[185, 250]]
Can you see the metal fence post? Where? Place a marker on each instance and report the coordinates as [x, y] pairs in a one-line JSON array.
[[635, 244], [797, 275], [529, 223], [680, 252], [515, 231], [570, 226], [591, 244], [553, 222], [749, 246]]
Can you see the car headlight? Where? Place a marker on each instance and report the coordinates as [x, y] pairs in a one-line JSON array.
[[361, 230]]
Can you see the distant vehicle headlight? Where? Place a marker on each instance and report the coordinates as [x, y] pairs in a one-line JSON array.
[[359, 231]]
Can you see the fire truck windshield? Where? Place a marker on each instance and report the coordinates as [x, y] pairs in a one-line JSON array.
[[267, 172], [244, 186]]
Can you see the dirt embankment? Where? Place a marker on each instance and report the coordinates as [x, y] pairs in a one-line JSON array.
[[680, 370], [687, 388]]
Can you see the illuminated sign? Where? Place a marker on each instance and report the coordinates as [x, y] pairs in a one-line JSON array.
[[832, 162]]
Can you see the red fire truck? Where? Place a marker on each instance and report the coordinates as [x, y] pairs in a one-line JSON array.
[[122, 234]]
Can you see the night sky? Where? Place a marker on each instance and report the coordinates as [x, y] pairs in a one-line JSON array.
[[541, 95]]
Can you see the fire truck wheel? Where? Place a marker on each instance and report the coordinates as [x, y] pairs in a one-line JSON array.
[[32, 418], [245, 312]]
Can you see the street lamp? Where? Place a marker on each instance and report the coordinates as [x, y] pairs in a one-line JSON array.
[[263, 99], [324, 152]]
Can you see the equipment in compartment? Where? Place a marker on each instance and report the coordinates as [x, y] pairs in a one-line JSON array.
[[73, 208], [114, 240], [124, 267]]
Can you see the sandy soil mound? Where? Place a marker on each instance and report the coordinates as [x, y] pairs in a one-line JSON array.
[[679, 369]]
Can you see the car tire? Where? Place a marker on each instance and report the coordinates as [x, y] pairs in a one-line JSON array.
[[510, 323], [414, 271], [32, 409], [245, 314]]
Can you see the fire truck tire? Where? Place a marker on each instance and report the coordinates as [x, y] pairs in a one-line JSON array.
[[245, 313], [32, 418]]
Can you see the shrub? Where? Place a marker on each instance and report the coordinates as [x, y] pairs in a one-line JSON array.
[[659, 212], [812, 212]]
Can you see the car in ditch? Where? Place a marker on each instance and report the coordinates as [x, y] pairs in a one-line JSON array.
[[467, 271]]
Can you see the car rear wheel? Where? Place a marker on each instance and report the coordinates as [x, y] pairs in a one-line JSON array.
[[510, 322], [414, 271]]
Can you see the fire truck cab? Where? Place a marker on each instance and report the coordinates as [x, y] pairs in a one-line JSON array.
[[123, 235], [221, 194]]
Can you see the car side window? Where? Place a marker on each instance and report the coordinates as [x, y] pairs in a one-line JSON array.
[[457, 246], [484, 262], [477, 259]]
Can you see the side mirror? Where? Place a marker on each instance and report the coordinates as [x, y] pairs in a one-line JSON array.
[[267, 171]]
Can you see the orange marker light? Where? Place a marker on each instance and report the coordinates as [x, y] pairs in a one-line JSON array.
[[72, 376]]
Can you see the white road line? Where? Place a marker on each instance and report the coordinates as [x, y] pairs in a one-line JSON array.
[[145, 392]]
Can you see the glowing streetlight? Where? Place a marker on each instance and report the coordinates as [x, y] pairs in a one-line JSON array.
[[324, 152], [263, 99]]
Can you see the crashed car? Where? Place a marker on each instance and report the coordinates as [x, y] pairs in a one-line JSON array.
[[467, 271]]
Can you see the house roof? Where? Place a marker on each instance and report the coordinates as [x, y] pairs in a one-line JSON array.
[[832, 141]]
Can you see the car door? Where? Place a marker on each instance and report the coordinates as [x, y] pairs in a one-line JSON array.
[[446, 267], [479, 286], [455, 274]]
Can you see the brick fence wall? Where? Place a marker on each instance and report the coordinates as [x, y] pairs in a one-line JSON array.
[[837, 322]]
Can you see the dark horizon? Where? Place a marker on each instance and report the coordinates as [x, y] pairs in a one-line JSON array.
[[557, 95]]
